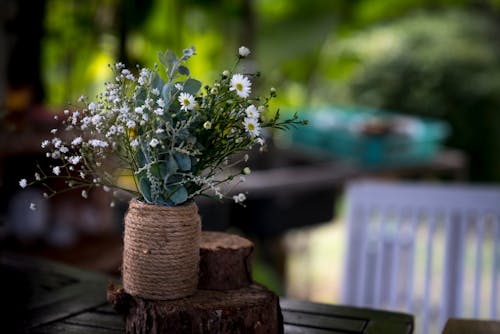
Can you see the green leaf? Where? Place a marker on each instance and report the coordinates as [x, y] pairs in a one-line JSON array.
[[171, 165], [179, 196], [145, 188], [141, 97], [192, 86], [183, 161], [167, 59], [165, 93], [183, 70], [157, 82]]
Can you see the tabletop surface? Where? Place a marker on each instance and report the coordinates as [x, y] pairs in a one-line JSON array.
[[49, 297]]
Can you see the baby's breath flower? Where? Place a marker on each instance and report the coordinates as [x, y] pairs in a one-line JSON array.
[[179, 86], [154, 142], [23, 183], [243, 51], [32, 206], [85, 194], [98, 143], [241, 85], [75, 159], [77, 141], [38, 177], [56, 170], [207, 125], [45, 143], [240, 198]]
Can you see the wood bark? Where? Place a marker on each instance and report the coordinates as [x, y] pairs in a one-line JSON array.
[[225, 261], [253, 309]]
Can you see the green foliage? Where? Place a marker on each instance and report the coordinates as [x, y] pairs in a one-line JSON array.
[[433, 65]]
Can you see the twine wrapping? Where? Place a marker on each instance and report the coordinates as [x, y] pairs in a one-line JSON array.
[[161, 250]]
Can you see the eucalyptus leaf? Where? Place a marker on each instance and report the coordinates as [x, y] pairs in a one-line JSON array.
[[171, 165], [165, 93], [183, 70], [167, 59], [183, 161], [179, 196], [157, 82], [145, 188], [192, 86]]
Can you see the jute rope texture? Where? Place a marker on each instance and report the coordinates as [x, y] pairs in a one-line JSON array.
[[161, 250]]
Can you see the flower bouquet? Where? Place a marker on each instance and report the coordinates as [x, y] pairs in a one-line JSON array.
[[175, 140]]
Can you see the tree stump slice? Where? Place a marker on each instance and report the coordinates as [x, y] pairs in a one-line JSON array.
[[225, 261], [252, 309]]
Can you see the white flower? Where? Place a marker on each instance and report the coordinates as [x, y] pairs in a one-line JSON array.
[[178, 86], [187, 101], [23, 183], [241, 85], [74, 159], [243, 51], [64, 149], [158, 111], [155, 91], [85, 194], [38, 177], [239, 198], [92, 106], [45, 143], [134, 143], [53, 131], [154, 142], [252, 112], [207, 125], [160, 102], [66, 111], [77, 141], [251, 126], [32, 206], [56, 170], [130, 124], [98, 143]]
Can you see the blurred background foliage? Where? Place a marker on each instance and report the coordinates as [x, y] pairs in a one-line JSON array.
[[438, 58]]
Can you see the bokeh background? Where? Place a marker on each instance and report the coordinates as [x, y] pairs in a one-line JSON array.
[[438, 59]]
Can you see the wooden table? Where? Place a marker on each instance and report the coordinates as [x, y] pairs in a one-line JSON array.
[[49, 297]]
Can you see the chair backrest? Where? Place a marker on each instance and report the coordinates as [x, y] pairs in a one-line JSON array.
[[425, 248]]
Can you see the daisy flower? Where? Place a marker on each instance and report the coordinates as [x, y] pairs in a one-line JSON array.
[[187, 101], [252, 126], [241, 85], [252, 112]]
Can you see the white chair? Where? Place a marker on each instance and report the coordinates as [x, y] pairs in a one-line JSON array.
[[429, 249]]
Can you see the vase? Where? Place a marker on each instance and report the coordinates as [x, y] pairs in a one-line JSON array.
[[161, 250]]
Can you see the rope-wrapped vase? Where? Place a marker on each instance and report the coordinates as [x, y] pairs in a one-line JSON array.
[[161, 250]]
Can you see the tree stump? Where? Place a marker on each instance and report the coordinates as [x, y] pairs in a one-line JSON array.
[[226, 300], [253, 309], [225, 261]]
